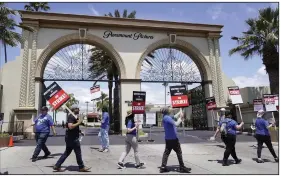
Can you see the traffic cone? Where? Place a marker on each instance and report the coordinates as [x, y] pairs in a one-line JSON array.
[[11, 142]]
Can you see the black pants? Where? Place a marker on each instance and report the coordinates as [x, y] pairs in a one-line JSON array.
[[230, 141], [72, 144], [267, 140], [41, 139], [172, 144]]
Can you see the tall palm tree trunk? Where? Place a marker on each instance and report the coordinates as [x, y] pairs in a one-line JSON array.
[[5, 51], [116, 104], [110, 99]]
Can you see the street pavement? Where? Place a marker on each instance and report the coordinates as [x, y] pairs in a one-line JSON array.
[[203, 156]]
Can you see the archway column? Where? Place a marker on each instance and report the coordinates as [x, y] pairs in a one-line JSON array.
[[222, 102], [24, 71], [32, 68]]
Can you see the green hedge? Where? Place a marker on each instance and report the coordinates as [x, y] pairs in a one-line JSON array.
[[2, 135]]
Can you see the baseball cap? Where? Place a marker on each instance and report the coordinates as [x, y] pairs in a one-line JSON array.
[[222, 109], [44, 108], [164, 110], [260, 113]]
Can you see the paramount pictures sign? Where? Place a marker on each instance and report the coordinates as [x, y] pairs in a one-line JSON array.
[[134, 36]]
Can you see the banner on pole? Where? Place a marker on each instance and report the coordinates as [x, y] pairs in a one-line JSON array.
[[235, 95], [258, 105], [270, 102], [138, 104], [56, 96], [95, 89], [150, 119], [179, 96], [211, 103]]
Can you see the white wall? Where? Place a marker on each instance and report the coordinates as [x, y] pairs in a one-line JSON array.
[[11, 79]]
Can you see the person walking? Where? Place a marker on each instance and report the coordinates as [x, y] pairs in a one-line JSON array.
[[263, 136], [42, 130], [130, 141], [103, 134], [62, 124], [172, 141], [228, 128], [72, 141]]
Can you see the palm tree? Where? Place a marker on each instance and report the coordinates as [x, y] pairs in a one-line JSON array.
[[37, 6], [8, 36], [262, 38], [103, 100]]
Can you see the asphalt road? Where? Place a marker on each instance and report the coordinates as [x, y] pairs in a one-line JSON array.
[[157, 134]]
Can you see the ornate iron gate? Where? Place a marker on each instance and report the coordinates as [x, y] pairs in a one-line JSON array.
[[199, 115]]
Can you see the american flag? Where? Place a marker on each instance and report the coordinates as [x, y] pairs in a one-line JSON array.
[[95, 89]]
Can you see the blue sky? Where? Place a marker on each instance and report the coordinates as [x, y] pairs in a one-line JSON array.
[[231, 15]]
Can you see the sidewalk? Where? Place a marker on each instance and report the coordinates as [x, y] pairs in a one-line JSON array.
[[203, 158]]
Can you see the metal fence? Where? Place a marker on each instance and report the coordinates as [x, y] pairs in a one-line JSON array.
[[16, 128]]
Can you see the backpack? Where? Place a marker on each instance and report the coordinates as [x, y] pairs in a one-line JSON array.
[[223, 128]]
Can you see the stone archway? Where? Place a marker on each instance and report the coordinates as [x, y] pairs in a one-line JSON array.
[[185, 47], [74, 38]]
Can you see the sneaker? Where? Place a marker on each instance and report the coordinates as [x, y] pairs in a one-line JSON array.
[[184, 169], [105, 151], [85, 169], [33, 159], [163, 169], [100, 149], [140, 165], [57, 169], [276, 160], [46, 155], [120, 165], [260, 160], [238, 161]]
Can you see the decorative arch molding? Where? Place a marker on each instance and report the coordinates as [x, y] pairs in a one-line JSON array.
[[187, 48], [73, 39]]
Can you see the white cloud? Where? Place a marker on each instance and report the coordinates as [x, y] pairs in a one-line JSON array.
[[248, 8], [260, 78], [93, 10], [216, 11]]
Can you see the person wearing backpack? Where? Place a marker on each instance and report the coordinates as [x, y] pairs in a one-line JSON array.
[[131, 141], [263, 136], [228, 128]]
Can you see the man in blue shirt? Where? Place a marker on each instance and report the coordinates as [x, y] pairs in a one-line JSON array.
[[42, 130], [263, 136], [103, 134], [172, 141], [228, 129]]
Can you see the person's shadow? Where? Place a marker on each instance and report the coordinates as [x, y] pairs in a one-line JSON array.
[[70, 168], [230, 162], [264, 160], [173, 168], [131, 165], [50, 156], [4, 173]]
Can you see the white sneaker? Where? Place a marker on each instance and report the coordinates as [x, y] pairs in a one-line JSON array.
[[105, 150]]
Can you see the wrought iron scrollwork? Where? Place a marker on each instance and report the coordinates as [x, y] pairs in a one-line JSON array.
[[199, 115], [168, 64], [71, 63]]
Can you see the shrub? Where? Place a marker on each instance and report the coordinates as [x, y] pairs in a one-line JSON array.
[[3, 135]]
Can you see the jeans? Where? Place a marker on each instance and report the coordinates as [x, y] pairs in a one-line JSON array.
[[230, 141], [71, 144], [131, 142], [267, 140], [172, 144], [104, 139], [41, 139]]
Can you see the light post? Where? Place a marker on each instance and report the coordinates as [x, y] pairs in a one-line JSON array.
[[87, 108], [165, 84]]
